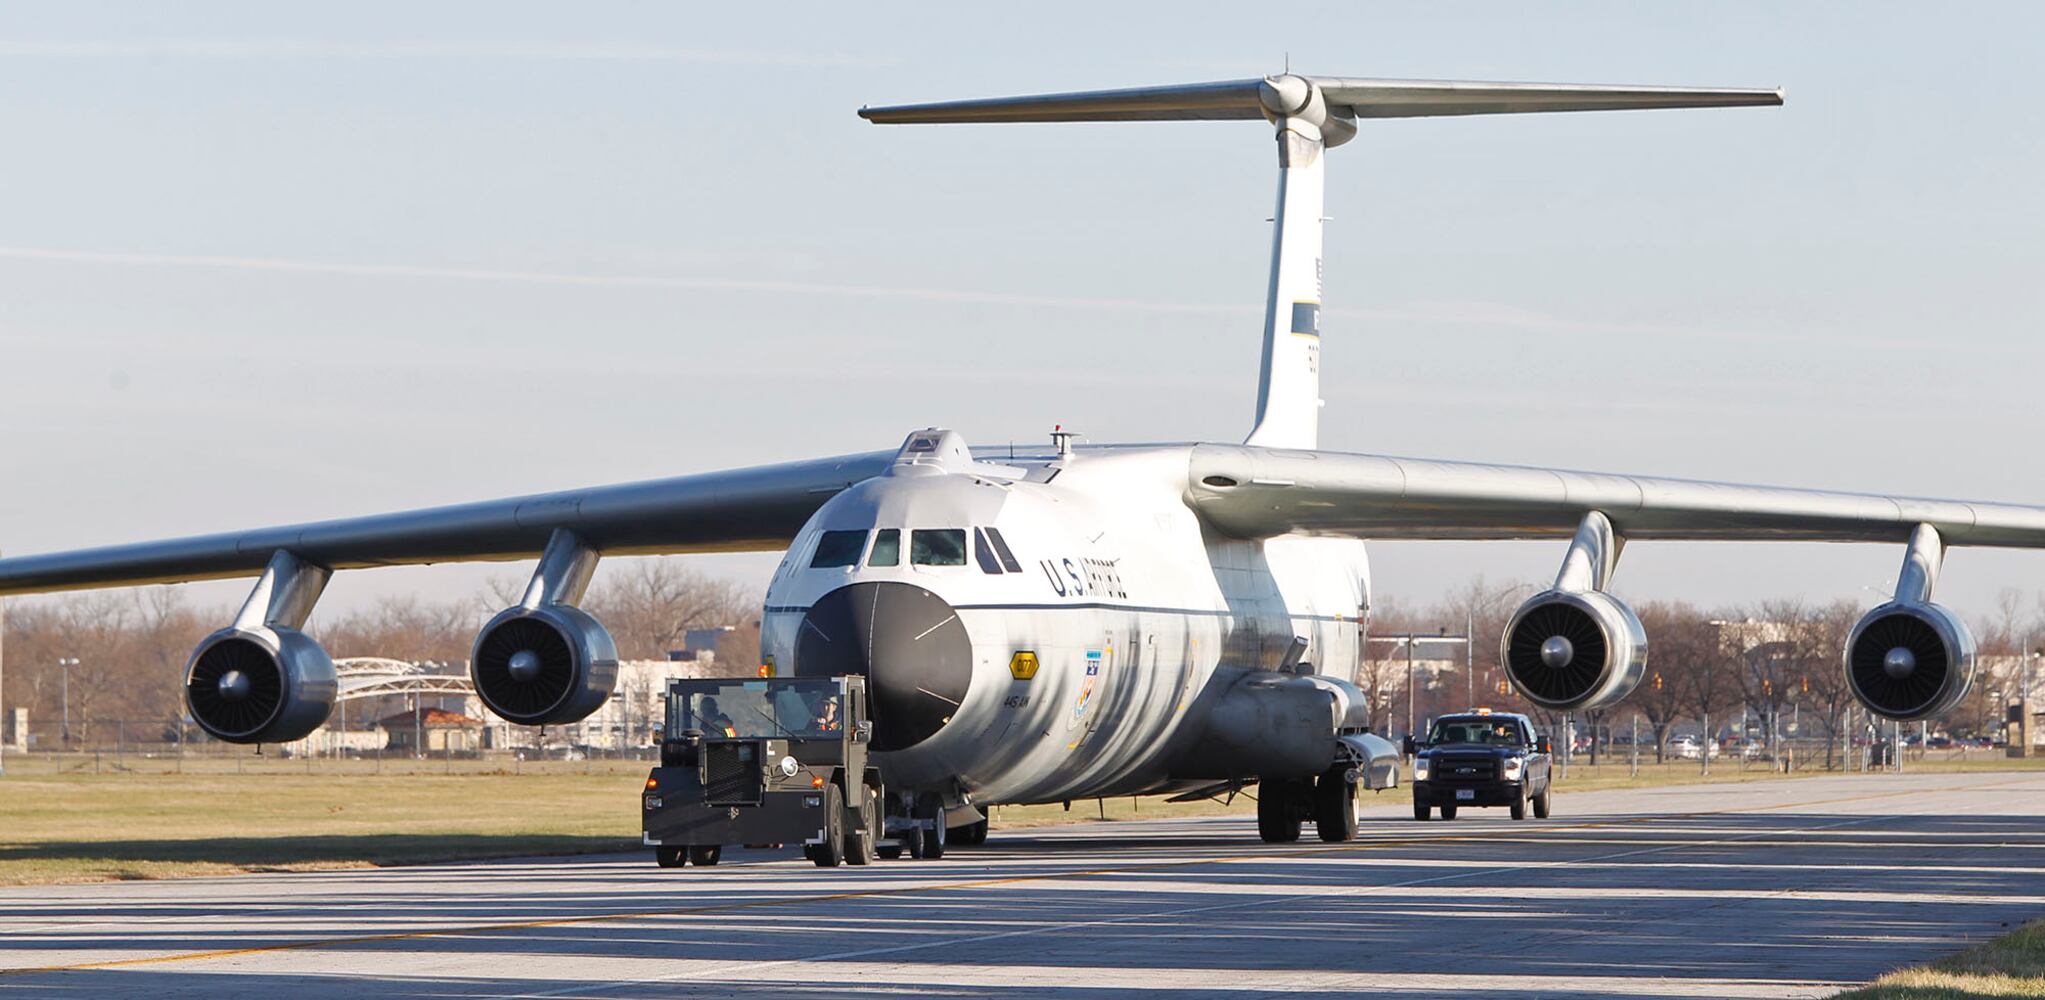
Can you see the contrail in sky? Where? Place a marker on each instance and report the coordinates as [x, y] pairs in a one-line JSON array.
[[781, 287], [286, 48], [1461, 313]]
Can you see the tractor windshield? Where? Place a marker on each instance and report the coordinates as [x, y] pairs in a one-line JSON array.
[[758, 709]]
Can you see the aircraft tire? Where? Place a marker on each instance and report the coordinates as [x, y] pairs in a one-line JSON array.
[[1335, 808], [704, 857], [1278, 812], [670, 857], [1541, 804], [1448, 812], [970, 835], [933, 840]]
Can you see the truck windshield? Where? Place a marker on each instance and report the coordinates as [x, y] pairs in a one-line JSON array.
[[757, 709], [1492, 730]]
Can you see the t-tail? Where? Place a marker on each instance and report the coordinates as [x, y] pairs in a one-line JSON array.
[[1309, 114]]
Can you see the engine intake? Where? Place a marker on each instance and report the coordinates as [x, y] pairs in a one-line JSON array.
[[1574, 650], [544, 666], [260, 685], [1908, 661]]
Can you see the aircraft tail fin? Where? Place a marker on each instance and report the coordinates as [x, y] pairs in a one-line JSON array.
[[1310, 113]]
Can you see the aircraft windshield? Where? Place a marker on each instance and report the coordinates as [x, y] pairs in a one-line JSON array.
[[938, 547], [756, 709], [1493, 730]]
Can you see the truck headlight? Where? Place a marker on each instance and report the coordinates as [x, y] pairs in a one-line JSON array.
[[1420, 769], [1512, 768]]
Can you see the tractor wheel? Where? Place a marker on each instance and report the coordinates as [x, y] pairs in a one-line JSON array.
[[830, 853]]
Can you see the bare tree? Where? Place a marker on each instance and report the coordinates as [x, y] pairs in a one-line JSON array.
[[1381, 665], [1709, 685], [1680, 637], [649, 605]]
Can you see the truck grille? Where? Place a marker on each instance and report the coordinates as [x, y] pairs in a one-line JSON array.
[[1465, 769], [731, 773]]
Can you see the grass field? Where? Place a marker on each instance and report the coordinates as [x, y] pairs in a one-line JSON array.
[[77, 826], [2009, 966]]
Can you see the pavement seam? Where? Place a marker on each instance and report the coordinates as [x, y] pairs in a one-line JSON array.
[[600, 987], [886, 891]]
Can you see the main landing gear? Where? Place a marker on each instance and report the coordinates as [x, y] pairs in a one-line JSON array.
[[1285, 804]]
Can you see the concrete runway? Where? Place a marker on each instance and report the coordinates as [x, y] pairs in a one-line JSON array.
[[1784, 889]]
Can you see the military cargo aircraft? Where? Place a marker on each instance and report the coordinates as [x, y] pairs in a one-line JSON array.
[[1076, 620]]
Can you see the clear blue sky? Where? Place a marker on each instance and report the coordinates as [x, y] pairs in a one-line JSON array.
[[265, 263]]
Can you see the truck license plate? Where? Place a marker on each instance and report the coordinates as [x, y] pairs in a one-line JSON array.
[[1465, 794]]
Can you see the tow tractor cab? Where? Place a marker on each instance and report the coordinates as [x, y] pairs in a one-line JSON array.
[[766, 761], [1480, 758]]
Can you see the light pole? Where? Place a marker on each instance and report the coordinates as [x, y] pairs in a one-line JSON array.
[[65, 664]]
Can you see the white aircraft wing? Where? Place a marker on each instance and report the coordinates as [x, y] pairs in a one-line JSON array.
[[759, 508], [1254, 492]]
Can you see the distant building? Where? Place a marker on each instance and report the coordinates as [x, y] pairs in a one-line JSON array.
[[630, 720], [432, 730]]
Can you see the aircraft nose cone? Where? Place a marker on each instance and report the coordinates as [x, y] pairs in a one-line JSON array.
[[908, 644]]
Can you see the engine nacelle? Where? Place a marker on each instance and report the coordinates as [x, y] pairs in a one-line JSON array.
[[260, 685], [542, 666], [1570, 651], [1908, 661]]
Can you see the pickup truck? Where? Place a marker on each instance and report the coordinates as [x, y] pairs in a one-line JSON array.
[[1480, 758]]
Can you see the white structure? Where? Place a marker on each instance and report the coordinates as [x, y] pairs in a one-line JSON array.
[[630, 720]]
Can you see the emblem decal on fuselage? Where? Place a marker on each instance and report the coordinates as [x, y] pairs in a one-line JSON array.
[[1087, 687]]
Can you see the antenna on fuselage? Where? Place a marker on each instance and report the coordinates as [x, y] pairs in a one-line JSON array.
[[1309, 114]]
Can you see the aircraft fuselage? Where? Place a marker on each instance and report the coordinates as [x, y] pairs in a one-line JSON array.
[[1047, 632]]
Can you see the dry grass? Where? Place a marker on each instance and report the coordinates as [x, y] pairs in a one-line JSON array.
[[2009, 966], [85, 827]]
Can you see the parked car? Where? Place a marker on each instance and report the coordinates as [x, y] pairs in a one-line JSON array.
[[1691, 748], [1749, 749]]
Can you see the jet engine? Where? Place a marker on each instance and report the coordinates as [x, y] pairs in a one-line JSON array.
[[1574, 650], [260, 684], [544, 665], [1907, 660]]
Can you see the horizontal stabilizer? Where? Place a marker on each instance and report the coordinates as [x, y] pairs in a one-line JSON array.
[[1345, 98]]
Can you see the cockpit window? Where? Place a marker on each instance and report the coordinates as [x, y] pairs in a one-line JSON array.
[[887, 548], [989, 562], [938, 546], [838, 548], [1001, 549]]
